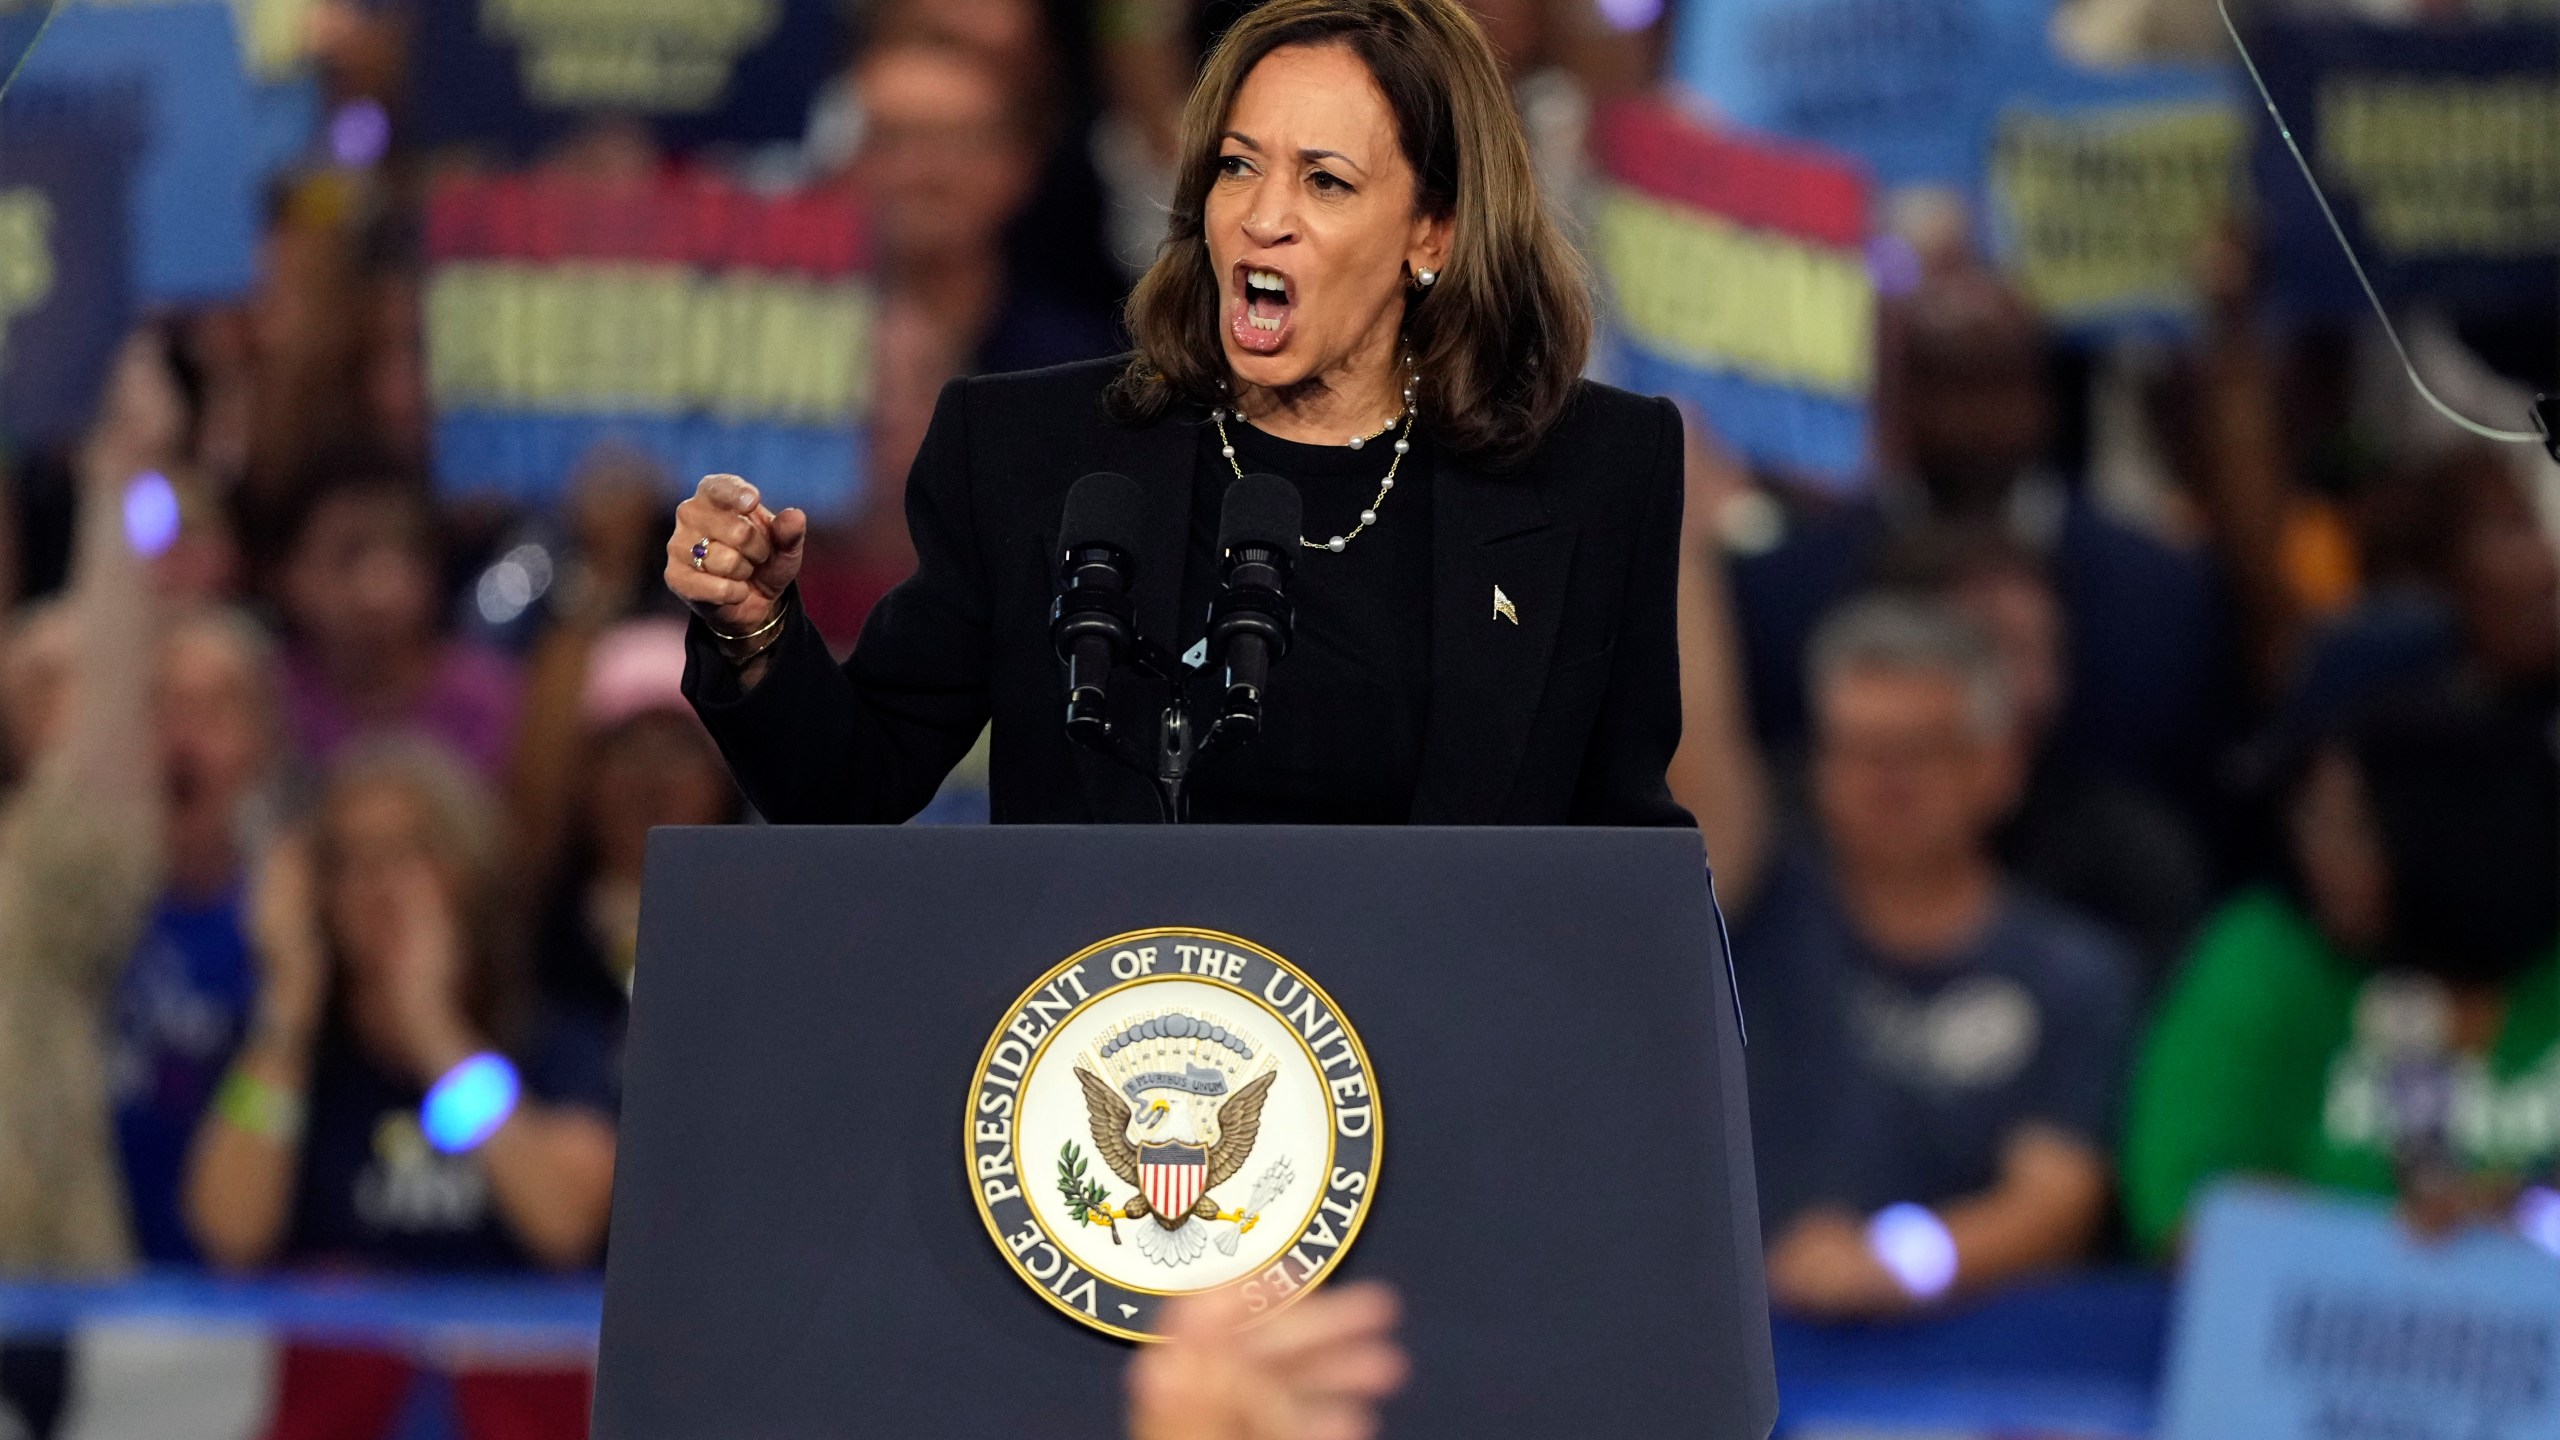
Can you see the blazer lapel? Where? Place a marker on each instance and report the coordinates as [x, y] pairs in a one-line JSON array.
[[1488, 668], [1162, 458]]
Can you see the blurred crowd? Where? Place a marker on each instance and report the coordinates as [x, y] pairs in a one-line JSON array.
[[2145, 776]]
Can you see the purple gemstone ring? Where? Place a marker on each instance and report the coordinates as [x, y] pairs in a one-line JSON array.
[[701, 552]]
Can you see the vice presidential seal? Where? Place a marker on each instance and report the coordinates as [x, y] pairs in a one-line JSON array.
[[1167, 1112]]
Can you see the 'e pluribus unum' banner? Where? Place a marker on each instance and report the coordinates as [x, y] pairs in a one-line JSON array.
[[712, 329], [1738, 283]]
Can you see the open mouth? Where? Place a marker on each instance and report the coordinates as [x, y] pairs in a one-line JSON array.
[[1264, 304]]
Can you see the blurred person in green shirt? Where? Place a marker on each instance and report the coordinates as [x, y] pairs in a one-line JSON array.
[[2387, 1021]]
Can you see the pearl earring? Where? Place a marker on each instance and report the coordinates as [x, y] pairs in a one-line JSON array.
[[1426, 278]]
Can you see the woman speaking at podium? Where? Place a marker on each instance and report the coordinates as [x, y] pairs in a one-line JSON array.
[[1361, 292]]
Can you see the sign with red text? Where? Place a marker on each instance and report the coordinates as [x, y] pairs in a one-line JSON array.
[[708, 327], [1738, 283]]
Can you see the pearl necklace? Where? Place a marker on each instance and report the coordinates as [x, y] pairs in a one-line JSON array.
[[1369, 516]]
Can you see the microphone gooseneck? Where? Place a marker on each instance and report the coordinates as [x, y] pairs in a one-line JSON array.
[[1251, 621], [1092, 624]]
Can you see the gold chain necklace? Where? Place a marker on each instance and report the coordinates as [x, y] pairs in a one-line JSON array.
[[1369, 516]]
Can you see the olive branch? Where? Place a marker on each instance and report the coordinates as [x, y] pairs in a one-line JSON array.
[[1086, 1201]]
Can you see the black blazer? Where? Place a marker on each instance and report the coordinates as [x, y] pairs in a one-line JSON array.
[[1568, 717]]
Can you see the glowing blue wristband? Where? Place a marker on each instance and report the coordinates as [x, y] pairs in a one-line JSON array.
[[151, 515], [2538, 1217], [1914, 1246], [470, 1102]]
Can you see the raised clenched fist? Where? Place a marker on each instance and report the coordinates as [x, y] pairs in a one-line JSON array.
[[730, 558]]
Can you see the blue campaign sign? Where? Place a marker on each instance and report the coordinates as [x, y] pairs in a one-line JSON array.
[[516, 73], [2435, 146], [2313, 1318], [66, 163], [195, 204], [2103, 188], [1908, 87]]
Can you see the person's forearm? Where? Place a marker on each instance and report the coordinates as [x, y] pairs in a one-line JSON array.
[[2042, 1214], [1716, 772], [107, 743], [239, 1195], [551, 1170], [2244, 489]]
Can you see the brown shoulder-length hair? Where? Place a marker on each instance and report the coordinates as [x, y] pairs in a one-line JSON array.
[[1499, 341]]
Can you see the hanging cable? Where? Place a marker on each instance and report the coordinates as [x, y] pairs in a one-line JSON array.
[[32, 42], [2547, 408]]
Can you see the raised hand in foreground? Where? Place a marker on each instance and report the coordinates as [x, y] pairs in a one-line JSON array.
[[1316, 1371]]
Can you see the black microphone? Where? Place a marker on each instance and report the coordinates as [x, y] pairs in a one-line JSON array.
[[1092, 624], [1249, 625]]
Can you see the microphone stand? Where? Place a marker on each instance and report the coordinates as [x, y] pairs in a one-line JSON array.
[[1178, 741]]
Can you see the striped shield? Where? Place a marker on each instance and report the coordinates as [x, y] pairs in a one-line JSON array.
[[1173, 1177]]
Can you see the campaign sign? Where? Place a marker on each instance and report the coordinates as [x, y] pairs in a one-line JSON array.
[[67, 157], [1906, 86], [711, 328], [516, 73], [2439, 148], [275, 53], [2105, 189], [2306, 1317], [1738, 283], [197, 191]]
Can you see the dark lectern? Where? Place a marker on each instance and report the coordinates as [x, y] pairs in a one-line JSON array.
[[1565, 1192]]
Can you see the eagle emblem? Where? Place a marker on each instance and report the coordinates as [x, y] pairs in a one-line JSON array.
[[1174, 1103]]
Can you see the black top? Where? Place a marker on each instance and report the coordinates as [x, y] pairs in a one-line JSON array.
[[371, 1193], [1564, 710], [1343, 716]]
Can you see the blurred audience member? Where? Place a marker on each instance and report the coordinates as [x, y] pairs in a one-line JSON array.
[[1318, 1370], [305, 356], [361, 591], [2463, 590], [1966, 424], [2079, 834], [2387, 1021], [185, 998], [153, 403], [1936, 1052], [383, 968], [948, 159], [79, 856], [646, 761], [404, 1102], [608, 573], [79, 860]]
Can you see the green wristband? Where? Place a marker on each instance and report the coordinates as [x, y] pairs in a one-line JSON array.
[[251, 1104]]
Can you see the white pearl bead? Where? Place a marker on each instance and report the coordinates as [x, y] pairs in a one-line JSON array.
[[1227, 450], [1357, 442], [1403, 445], [1387, 484], [1368, 517], [1335, 544]]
